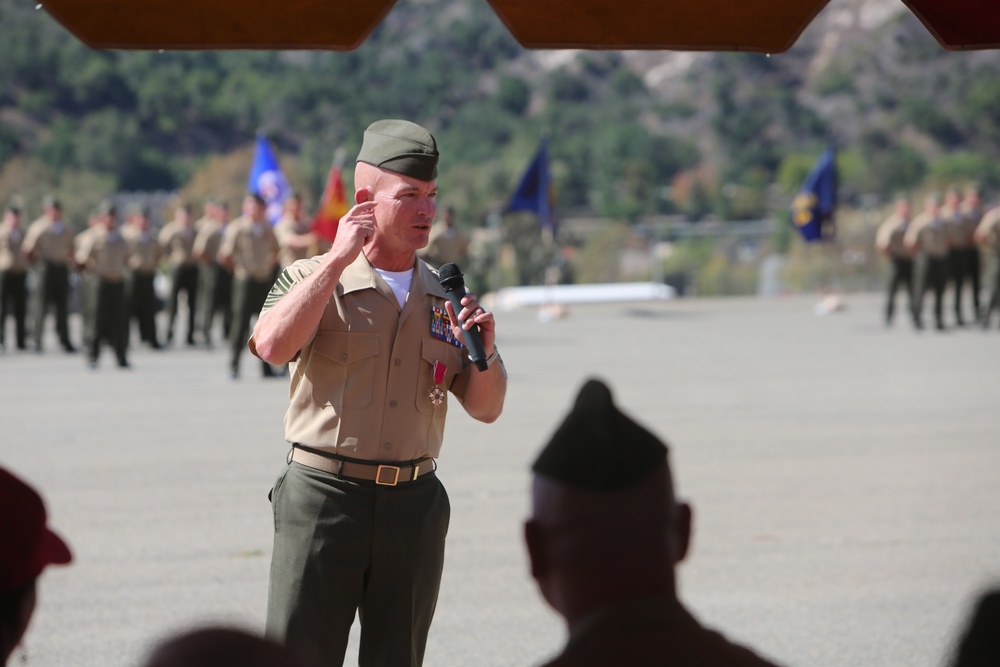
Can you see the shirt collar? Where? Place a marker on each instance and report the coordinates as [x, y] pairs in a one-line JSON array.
[[360, 274]]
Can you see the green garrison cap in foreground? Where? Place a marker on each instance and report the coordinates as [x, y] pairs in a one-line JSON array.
[[599, 448], [401, 147]]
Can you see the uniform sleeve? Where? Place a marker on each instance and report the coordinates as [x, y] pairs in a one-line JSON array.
[[883, 235], [166, 235], [291, 275], [283, 232], [30, 239], [228, 245], [275, 243], [84, 248], [912, 236], [988, 227], [201, 241]]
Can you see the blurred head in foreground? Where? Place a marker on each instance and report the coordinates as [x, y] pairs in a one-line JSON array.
[[979, 645], [605, 534], [221, 647], [605, 525], [27, 546]]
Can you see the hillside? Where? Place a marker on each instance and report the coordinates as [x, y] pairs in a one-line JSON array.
[[632, 133]]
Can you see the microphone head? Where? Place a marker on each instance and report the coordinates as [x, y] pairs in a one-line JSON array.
[[450, 276]]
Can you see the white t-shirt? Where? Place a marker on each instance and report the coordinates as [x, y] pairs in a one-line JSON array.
[[399, 281]]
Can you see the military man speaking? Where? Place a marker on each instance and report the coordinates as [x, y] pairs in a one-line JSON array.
[[360, 517]]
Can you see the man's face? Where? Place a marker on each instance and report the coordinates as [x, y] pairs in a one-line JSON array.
[[183, 216], [11, 219], [253, 209], [53, 212], [293, 207], [406, 208], [903, 208]]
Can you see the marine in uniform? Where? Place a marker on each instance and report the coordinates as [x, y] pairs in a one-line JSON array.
[[177, 239], [13, 277], [927, 238], [103, 254], [294, 233], [604, 536], [962, 218], [987, 235], [144, 254], [49, 245], [86, 290], [889, 242], [447, 243], [250, 249], [214, 280], [360, 516]]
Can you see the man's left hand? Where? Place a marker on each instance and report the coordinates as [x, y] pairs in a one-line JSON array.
[[473, 314]]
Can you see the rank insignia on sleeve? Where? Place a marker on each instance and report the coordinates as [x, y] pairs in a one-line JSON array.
[[441, 326]]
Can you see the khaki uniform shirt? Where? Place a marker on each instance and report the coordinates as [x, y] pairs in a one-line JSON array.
[[208, 240], [960, 225], [445, 244], [890, 236], [650, 632], [928, 235], [49, 241], [178, 243], [285, 230], [144, 250], [363, 386], [12, 257], [103, 253], [989, 229], [252, 248]]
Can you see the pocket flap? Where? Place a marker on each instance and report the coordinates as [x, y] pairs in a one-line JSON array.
[[346, 347], [433, 350]]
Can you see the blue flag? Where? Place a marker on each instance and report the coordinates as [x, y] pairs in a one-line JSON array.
[[534, 193], [813, 208], [267, 180]]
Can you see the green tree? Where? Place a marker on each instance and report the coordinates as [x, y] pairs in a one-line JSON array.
[[513, 95]]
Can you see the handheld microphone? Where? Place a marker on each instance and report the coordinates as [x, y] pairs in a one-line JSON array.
[[453, 282]]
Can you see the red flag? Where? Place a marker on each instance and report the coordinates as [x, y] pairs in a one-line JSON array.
[[333, 206]]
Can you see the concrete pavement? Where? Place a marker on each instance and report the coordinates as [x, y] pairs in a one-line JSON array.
[[843, 476]]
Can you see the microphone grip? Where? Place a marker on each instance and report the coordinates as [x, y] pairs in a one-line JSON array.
[[472, 338]]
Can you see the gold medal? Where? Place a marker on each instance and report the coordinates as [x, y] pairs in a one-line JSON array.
[[436, 396]]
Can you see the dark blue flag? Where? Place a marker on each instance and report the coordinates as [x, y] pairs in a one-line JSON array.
[[813, 208], [534, 193], [267, 180]]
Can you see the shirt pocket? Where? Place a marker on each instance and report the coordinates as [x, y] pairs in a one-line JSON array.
[[432, 350], [342, 368]]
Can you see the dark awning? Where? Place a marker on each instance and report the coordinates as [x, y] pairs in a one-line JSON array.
[[960, 24], [768, 26]]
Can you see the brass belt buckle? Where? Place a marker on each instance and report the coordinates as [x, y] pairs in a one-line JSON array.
[[395, 475]]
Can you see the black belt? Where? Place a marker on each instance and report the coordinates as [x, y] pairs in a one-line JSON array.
[[383, 474]]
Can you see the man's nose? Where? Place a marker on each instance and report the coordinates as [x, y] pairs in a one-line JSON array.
[[428, 207]]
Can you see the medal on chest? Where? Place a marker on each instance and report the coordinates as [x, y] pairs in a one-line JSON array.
[[436, 395]]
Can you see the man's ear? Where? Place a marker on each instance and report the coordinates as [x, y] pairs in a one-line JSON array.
[[534, 539], [362, 195], [682, 531]]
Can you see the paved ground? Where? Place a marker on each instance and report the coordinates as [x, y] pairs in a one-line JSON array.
[[844, 478]]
